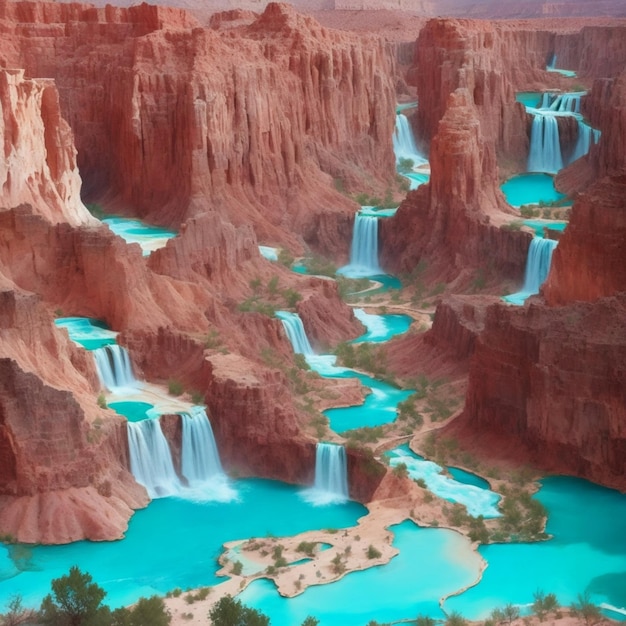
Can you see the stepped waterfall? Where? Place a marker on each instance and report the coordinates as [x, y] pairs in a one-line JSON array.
[[295, 332], [404, 143], [114, 367], [545, 148], [200, 458], [151, 459], [364, 249], [537, 269], [152, 466], [331, 475]]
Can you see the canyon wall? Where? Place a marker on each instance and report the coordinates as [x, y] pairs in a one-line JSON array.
[[453, 223], [169, 123], [546, 380]]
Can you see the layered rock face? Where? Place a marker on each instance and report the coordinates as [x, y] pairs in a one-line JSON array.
[[546, 386], [550, 375], [452, 223], [39, 162], [170, 123], [62, 474]]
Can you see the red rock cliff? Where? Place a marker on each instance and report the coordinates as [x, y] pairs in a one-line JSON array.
[[169, 121]]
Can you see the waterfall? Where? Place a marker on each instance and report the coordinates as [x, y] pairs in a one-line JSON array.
[[404, 143], [364, 249], [114, 368], [537, 269], [545, 149], [151, 459], [331, 475], [295, 332], [200, 458], [586, 136], [563, 103]]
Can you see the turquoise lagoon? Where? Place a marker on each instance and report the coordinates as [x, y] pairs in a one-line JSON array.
[[148, 237], [531, 189], [172, 543], [133, 411], [432, 563], [381, 328], [540, 226], [586, 553], [87, 332], [529, 98]]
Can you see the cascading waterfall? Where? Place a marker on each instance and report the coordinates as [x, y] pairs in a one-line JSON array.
[[200, 458], [364, 248], [404, 143], [295, 332], [537, 268], [562, 103], [114, 367], [151, 459], [152, 466], [545, 148], [331, 475], [586, 136]]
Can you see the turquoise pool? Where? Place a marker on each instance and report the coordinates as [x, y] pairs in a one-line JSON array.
[[432, 563], [539, 226], [87, 332], [532, 189], [133, 411], [381, 328], [587, 552], [148, 237], [529, 98], [172, 543]]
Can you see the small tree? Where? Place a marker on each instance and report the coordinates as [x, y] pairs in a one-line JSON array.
[[455, 619], [510, 613], [75, 601], [424, 620], [310, 621], [230, 612], [544, 603], [17, 614], [586, 610]]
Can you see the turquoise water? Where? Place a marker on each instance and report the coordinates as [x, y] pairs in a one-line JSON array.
[[404, 106], [587, 552], [381, 328], [133, 231], [172, 543], [468, 478], [478, 500], [529, 98], [271, 254], [416, 179], [87, 332], [530, 189], [431, 564], [387, 282], [133, 411], [539, 225], [375, 212]]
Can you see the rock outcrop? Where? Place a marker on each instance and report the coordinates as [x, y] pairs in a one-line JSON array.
[[63, 473], [453, 222], [546, 387], [39, 164]]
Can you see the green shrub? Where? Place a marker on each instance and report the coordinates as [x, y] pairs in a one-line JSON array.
[[102, 401], [175, 387], [372, 552]]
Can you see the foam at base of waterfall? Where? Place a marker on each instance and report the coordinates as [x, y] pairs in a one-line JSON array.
[[319, 497], [364, 249]]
